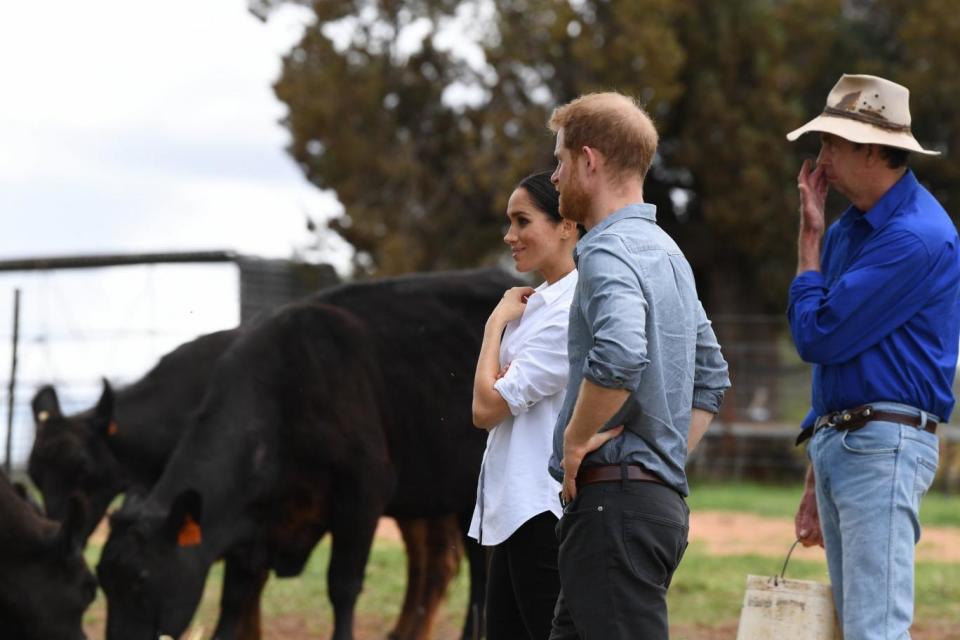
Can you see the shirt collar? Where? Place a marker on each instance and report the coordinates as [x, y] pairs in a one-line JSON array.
[[551, 292], [879, 213], [643, 210]]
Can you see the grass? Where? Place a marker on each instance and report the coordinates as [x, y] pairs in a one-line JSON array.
[[306, 595], [780, 501], [707, 590]]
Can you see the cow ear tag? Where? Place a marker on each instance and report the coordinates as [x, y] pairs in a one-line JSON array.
[[112, 429], [189, 535], [43, 416]]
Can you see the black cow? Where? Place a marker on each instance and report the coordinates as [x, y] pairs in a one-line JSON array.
[[45, 585], [330, 412], [123, 443]]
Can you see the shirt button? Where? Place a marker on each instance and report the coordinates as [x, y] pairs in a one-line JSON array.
[[600, 508]]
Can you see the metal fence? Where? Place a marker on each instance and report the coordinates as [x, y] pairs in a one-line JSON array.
[[752, 439], [87, 317]]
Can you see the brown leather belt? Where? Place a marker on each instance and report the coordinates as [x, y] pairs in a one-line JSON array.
[[613, 473], [853, 419]]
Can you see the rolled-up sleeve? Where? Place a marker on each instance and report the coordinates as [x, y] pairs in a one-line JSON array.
[[875, 295], [710, 376], [540, 370], [615, 307]]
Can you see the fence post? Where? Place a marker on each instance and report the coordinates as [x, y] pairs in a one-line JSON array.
[[13, 379]]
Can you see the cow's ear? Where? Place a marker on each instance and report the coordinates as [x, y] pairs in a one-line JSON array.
[[24, 493], [21, 490], [46, 406], [183, 522], [71, 531], [103, 417]]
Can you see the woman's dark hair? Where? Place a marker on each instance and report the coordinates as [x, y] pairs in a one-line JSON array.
[[543, 192], [546, 196]]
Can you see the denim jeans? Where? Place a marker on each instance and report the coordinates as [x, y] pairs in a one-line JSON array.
[[869, 485]]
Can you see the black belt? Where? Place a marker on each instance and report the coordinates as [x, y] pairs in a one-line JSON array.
[[614, 473], [853, 419]]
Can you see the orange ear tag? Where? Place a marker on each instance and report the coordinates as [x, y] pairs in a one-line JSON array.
[[189, 535], [112, 429]]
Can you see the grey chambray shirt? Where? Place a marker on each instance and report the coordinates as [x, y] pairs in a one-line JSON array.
[[636, 323]]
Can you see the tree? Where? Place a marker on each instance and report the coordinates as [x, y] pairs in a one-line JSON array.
[[424, 178]]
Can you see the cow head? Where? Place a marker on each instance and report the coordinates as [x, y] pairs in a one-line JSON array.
[[46, 586], [153, 568], [72, 453]]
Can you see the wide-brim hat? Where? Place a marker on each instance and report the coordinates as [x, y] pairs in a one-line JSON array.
[[867, 110]]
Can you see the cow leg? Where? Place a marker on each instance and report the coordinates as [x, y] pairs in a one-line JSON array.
[[474, 625], [444, 550], [240, 600], [433, 557], [414, 533], [356, 510]]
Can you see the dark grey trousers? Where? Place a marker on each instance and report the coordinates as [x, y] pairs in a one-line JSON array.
[[620, 543]]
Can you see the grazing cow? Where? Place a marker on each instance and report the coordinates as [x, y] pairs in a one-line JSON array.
[[328, 413], [123, 443], [45, 585]]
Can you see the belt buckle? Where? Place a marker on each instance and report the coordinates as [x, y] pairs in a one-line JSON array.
[[852, 419], [829, 420]]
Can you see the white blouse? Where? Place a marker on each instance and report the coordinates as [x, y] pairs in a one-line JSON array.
[[514, 485]]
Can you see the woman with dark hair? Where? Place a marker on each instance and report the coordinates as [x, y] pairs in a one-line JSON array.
[[521, 376]]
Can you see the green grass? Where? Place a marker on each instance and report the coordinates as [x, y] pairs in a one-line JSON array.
[[780, 501], [305, 596], [707, 590]]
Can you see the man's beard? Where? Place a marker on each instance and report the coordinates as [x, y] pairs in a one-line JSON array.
[[574, 201]]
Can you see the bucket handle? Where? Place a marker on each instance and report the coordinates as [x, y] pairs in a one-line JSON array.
[[776, 579]]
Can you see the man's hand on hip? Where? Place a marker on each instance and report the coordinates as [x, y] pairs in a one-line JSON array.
[[573, 455]]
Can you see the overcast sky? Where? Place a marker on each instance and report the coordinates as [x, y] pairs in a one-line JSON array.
[[131, 126], [146, 125]]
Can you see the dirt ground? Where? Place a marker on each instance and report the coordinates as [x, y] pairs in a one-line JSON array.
[[722, 533], [727, 533]]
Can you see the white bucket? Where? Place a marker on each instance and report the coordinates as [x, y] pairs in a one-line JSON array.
[[775, 608]]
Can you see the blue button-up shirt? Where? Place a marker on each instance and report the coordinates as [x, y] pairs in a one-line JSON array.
[[881, 321], [636, 323]]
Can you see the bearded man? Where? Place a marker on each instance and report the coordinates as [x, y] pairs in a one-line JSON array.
[[646, 378]]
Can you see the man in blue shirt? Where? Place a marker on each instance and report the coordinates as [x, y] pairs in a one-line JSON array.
[[646, 378], [877, 312]]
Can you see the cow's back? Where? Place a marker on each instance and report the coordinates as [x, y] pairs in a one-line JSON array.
[[428, 329], [154, 412]]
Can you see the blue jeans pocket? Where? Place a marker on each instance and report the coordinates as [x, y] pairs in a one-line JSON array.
[[874, 438], [654, 545], [926, 471]]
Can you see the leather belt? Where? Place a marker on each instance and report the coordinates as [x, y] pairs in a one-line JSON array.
[[613, 473], [853, 419]]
